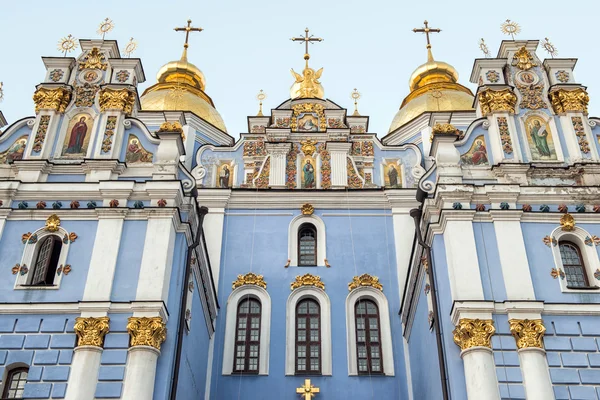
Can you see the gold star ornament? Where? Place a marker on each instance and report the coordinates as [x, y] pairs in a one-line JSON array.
[[67, 44]]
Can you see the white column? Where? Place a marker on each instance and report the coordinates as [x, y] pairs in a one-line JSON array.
[[213, 232], [480, 373], [3, 215], [157, 260], [404, 233], [513, 256], [103, 264], [84, 373], [447, 158], [278, 153], [140, 373], [339, 170], [536, 377], [463, 264]]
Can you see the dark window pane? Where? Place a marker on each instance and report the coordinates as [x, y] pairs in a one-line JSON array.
[[368, 348], [308, 337], [247, 339]]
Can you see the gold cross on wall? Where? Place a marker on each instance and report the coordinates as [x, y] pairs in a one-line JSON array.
[[307, 391], [187, 29], [306, 39], [426, 31]]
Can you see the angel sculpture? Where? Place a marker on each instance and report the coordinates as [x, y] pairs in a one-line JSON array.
[[307, 84]]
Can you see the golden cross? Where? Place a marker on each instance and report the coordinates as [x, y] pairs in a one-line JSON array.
[[187, 29], [306, 39], [426, 31], [308, 391]]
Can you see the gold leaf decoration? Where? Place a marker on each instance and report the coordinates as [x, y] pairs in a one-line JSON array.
[[307, 280], [52, 223], [569, 100], [497, 100], [52, 99], [308, 147], [308, 108], [144, 331], [116, 99], [171, 127], [473, 333], [95, 59], [567, 222], [91, 331], [444, 129], [365, 280], [523, 59], [249, 279], [307, 209], [528, 333]]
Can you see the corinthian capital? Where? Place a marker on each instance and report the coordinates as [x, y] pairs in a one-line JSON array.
[[474, 333], [145, 331], [91, 331], [569, 100], [56, 99], [528, 332], [497, 100], [116, 99]]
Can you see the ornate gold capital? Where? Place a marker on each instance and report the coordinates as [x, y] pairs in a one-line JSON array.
[[95, 59], [444, 129], [307, 280], [91, 331], [567, 222], [523, 59], [308, 147], [528, 332], [569, 100], [307, 209], [52, 223], [497, 100], [171, 127], [116, 99], [144, 331], [365, 280], [249, 279], [52, 99], [474, 332]]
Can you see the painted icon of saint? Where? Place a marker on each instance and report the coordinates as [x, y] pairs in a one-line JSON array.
[[479, 153], [393, 176], [224, 177], [309, 175], [539, 137], [77, 138]]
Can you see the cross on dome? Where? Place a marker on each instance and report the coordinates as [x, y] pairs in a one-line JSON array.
[[426, 30], [187, 29], [306, 39]]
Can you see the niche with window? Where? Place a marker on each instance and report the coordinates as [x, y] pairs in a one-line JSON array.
[[368, 337], [307, 242], [573, 264], [14, 383], [247, 337], [307, 245], [308, 337]]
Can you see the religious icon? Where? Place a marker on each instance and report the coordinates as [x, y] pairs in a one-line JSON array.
[[90, 76], [136, 153], [392, 174], [78, 135], [14, 152], [477, 154], [308, 174], [307, 85], [527, 78], [308, 122], [224, 176], [540, 139]]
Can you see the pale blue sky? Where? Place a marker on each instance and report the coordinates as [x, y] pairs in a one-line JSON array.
[[245, 46]]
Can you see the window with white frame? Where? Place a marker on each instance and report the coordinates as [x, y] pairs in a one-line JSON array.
[[14, 382], [368, 333], [575, 259], [45, 261], [247, 331], [308, 332], [307, 247]]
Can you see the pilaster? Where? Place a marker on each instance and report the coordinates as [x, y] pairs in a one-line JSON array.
[[278, 153], [446, 154], [168, 153], [339, 153]]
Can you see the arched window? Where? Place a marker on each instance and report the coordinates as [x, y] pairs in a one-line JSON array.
[[307, 245], [308, 337], [368, 337], [15, 383], [247, 336], [46, 261], [572, 261]]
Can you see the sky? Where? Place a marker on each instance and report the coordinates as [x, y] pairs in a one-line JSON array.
[[246, 47]]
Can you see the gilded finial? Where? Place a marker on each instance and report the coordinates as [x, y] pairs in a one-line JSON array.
[[105, 26], [130, 47], [260, 97], [67, 44], [187, 29], [510, 28], [427, 30], [483, 47], [355, 95], [549, 47]]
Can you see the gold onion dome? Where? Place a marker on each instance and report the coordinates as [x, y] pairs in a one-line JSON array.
[[181, 87], [434, 87]]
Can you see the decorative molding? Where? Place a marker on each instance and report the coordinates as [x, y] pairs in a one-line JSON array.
[[307, 209], [497, 101], [116, 99], [144, 331], [109, 132], [308, 108], [569, 100], [567, 222], [40, 134], [91, 331], [94, 59], [171, 127], [52, 223], [365, 280], [307, 280], [249, 279], [523, 59], [308, 147], [550, 241], [52, 99], [555, 273], [528, 333], [473, 333]]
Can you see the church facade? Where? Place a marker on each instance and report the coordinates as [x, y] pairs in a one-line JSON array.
[[147, 254]]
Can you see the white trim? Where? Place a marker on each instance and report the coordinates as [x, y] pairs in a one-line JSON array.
[[230, 325], [387, 350], [589, 254], [293, 238], [290, 344], [30, 255]]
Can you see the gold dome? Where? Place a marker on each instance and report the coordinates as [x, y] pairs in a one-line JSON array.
[[181, 87], [434, 87]]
